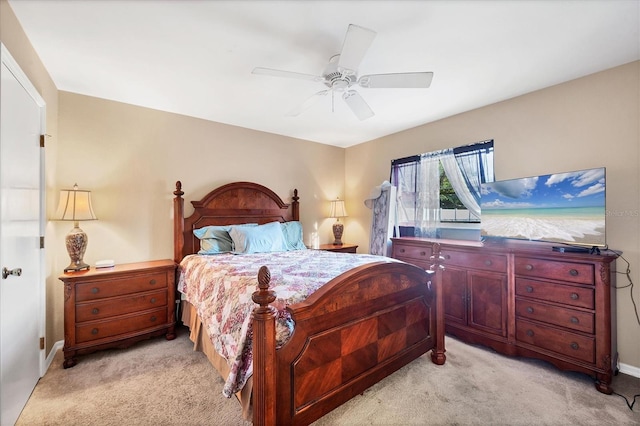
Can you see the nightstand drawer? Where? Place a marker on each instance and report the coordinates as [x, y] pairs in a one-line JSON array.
[[563, 342], [557, 315], [120, 286], [88, 331], [94, 310]]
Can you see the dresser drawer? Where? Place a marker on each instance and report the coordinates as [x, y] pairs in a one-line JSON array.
[[88, 311], [412, 254], [94, 330], [487, 262], [582, 297], [563, 271], [564, 317], [120, 286], [563, 342]]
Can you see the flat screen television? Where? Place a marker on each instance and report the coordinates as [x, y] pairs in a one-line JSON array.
[[566, 208]]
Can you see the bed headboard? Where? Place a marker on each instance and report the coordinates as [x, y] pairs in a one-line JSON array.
[[234, 203]]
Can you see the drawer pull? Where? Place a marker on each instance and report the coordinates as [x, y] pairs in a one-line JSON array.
[[530, 309], [574, 320], [153, 300], [446, 256], [529, 267], [575, 346], [95, 311], [488, 262], [530, 333], [154, 318], [95, 290], [94, 331], [422, 253], [401, 250], [573, 273], [152, 282], [529, 289], [574, 296]]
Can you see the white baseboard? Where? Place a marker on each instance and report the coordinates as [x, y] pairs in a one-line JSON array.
[[56, 346], [630, 370]]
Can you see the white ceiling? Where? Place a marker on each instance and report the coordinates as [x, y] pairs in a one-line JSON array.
[[195, 57]]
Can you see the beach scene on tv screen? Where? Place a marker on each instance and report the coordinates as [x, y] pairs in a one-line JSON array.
[[562, 207]]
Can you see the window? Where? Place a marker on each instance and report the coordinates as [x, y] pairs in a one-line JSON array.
[[438, 193]]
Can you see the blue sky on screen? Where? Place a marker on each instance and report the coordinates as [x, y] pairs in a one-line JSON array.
[[585, 188]]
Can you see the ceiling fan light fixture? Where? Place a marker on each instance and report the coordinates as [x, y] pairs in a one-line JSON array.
[[342, 72]]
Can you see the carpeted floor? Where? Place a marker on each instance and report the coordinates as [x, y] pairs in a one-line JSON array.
[[161, 382]]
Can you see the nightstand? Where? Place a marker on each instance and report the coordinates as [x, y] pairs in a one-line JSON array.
[[117, 306], [344, 248]]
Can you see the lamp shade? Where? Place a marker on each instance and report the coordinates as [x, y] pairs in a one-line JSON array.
[[337, 209], [75, 205]]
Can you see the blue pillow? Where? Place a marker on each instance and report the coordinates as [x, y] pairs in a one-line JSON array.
[[257, 239], [216, 239], [293, 235]]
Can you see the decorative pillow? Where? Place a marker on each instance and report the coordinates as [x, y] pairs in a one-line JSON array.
[[257, 239], [216, 239], [292, 232]]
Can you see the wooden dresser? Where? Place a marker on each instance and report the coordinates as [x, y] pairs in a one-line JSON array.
[[522, 298], [117, 306]]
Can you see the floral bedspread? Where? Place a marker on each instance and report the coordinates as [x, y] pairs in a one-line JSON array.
[[220, 288]]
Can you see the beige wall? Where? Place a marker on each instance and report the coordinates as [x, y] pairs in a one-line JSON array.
[[589, 122], [14, 39]]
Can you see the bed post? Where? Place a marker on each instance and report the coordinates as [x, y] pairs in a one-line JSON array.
[[264, 352], [437, 354], [178, 223], [295, 205]]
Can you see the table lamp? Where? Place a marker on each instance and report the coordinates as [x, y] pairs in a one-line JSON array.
[[75, 205], [337, 211]]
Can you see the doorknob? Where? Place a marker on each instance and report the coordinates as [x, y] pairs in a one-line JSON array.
[[6, 272]]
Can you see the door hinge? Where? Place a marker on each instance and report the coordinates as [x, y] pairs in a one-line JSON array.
[[42, 343], [42, 141], [41, 242]]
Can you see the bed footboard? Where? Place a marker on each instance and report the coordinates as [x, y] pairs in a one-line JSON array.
[[353, 332]]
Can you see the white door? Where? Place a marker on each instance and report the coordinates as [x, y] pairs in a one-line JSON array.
[[21, 225]]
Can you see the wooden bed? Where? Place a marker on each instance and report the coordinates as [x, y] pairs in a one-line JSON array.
[[357, 329]]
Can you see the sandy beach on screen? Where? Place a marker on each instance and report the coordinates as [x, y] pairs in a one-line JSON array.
[[571, 230]]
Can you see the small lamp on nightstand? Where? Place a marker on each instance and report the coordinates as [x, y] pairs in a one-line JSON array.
[[337, 211], [75, 205]]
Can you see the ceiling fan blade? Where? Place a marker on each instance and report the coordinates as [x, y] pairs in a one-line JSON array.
[[409, 80], [355, 46], [285, 74], [357, 105], [307, 103]]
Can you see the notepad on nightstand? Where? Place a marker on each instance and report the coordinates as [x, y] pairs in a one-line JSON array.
[[105, 263]]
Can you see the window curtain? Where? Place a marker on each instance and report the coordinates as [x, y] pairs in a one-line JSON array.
[[404, 175], [428, 195], [417, 180]]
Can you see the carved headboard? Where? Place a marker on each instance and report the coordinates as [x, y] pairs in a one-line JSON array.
[[234, 203]]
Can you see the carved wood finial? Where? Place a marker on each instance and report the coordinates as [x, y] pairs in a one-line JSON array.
[[295, 205], [436, 258], [263, 296], [178, 192]]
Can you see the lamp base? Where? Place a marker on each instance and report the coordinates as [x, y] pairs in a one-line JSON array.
[[76, 241], [338, 228], [73, 267]]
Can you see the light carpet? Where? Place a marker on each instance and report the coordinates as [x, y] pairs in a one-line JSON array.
[[160, 382]]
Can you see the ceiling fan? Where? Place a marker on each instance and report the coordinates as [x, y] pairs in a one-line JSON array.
[[341, 74]]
